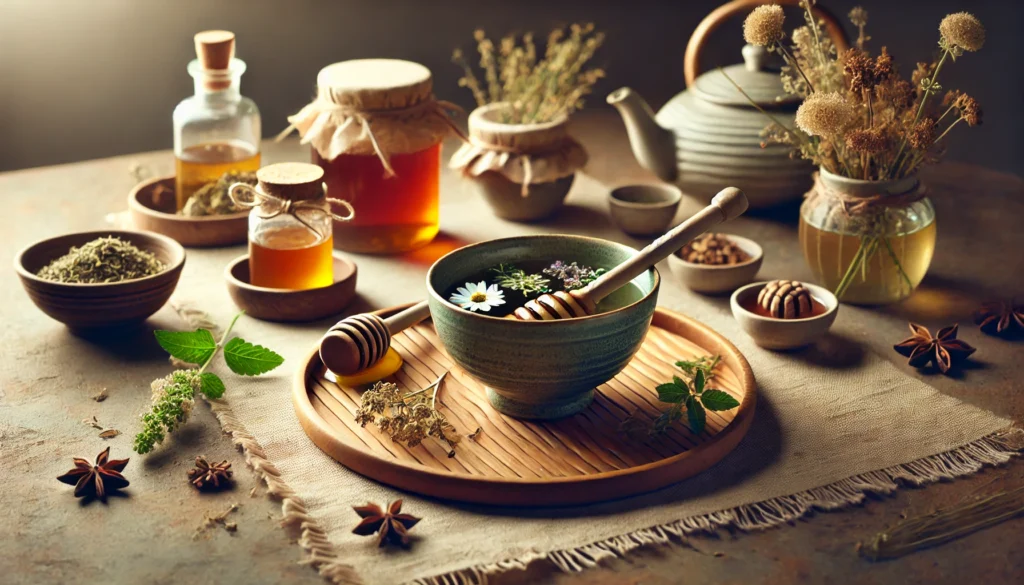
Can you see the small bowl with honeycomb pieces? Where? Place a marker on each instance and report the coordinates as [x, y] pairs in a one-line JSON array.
[[717, 263], [785, 323]]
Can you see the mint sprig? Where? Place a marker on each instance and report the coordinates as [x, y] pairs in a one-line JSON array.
[[174, 396], [691, 394]]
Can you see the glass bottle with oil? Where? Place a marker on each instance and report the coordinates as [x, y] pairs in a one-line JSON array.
[[290, 228], [216, 130]]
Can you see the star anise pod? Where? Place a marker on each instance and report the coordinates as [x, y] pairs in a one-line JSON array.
[[944, 349], [210, 476], [96, 481], [1000, 317], [391, 526]]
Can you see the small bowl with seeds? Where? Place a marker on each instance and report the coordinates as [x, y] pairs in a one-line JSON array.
[[784, 314], [103, 279], [716, 263]]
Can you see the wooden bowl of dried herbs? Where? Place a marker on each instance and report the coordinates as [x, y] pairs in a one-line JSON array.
[[209, 218], [101, 279]]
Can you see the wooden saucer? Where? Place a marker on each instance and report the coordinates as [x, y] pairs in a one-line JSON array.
[[152, 207], [272, 304], [581, 459]]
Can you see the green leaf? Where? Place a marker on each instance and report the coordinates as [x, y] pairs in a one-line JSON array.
[[194, 347], [716, 400], [250, 360], [696, 415], [698, 382], [672, 392], [686, 366], [212, 385]]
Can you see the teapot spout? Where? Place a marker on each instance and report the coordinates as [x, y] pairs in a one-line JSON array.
[[653, 146]]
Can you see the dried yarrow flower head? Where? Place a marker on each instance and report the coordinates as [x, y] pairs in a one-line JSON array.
[[763, 26], [824, 114], [408, 418], [922, 135], [965, 105], [869, 141], [859, 70], [962, 30]]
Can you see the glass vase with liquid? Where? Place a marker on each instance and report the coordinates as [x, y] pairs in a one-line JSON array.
[[217, 130], [874, 257]]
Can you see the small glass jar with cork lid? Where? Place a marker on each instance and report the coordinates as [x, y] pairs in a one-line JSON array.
[[217, 130], [290, 226], [376, 130]]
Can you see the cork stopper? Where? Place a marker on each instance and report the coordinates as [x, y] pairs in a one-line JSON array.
[[215, 49], [292, 181], [376, 84]]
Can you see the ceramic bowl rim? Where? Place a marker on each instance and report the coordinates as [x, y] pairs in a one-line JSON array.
[[823, 295], [177, 251], [233, 281], [676, 196], [478, 120], [138, 206], [518, 323], [717, 267]]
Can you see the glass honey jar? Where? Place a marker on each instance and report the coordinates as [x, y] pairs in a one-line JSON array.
[[290, 226], [217, 130], [376, 130]]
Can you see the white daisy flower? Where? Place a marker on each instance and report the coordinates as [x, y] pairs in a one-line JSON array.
[[478, 297]]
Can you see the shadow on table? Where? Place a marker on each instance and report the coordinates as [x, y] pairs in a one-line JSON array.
[[759, 449]]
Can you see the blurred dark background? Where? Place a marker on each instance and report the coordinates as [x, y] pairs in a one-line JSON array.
[[89, 79]]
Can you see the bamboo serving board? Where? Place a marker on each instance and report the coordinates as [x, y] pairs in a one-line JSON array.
[[577, 460]]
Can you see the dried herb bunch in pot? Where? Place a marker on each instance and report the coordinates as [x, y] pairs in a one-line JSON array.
[[519, 155], [867, 227], [102, 260], [539, 87]]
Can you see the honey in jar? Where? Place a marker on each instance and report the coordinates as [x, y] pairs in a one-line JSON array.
[[376, 130], [290, 227], [217, 130]]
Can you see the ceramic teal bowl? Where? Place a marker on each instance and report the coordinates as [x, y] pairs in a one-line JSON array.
[[540, 369]]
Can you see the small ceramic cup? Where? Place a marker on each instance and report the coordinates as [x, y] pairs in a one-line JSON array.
[[644, 210], [711, 279], [773, 333]]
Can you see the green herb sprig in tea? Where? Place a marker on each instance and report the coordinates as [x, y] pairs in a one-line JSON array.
[[512, 278], [108, 259], [692, 395], [174, 395]]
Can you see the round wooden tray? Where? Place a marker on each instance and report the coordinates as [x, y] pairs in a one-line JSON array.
[[577, 460]]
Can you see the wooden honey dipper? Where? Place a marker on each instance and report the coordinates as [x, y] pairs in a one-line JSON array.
[[729, 203], [360, 341]]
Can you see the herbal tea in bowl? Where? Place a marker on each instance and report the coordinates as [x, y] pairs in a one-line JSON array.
[[101, 279], [533, 368]]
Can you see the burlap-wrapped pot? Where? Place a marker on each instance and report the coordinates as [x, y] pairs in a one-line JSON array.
[[524, 171]]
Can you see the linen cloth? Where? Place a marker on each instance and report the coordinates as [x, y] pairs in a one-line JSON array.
[[832, 422]]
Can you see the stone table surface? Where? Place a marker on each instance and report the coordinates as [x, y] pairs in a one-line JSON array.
[[49, 376]]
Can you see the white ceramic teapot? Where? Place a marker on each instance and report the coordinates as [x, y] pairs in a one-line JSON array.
[[710, 135]]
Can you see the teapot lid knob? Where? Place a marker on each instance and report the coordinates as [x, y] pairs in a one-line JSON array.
[[754, 57]]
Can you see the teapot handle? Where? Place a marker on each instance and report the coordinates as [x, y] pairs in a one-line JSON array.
[[691, 59]]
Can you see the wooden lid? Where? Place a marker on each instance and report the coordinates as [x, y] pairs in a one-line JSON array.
[[292, 180], [376, 84]]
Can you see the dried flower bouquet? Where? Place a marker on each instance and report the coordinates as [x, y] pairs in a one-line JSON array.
[[863, 121]]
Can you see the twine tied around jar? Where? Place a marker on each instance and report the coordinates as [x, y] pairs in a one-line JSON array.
[[856, 205], [269, 206], [312, 120]]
